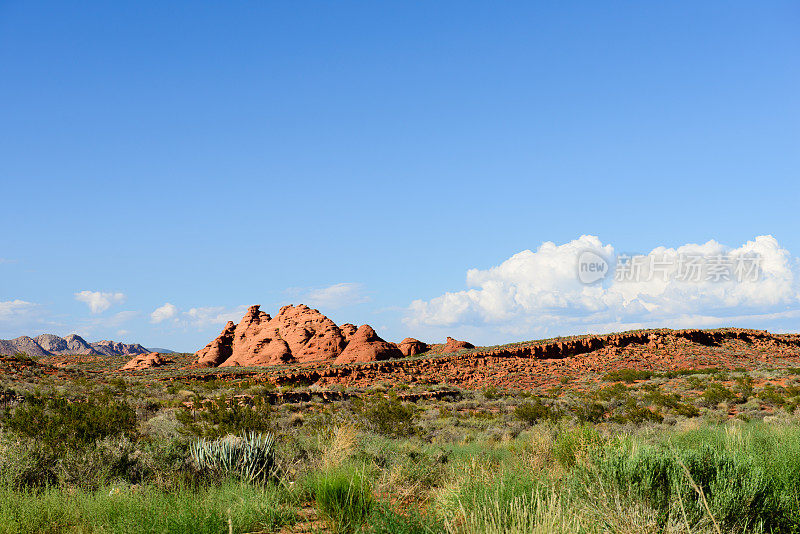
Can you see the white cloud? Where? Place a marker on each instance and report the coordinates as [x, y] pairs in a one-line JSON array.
[[335, 296], [202, 318], [540, 293], [99, 301], [11, 309], [162, 313], [19, 317]]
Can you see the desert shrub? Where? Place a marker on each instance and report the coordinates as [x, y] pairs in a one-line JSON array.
[[343, 496], [26, 463], [112, 458], [61, 424], [658, 398], [716, 393], [218, 417], [533, 411], [635, 413], [249, 457], [687, 410], [627, 375], [388, 416], [772, 395], [572, 444], [589, 412], [744, 388]]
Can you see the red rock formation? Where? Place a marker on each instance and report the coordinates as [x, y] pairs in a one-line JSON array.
[[348, 330], [366, 346], [219, 349], [140, 362], [453, 345], [298, 334], [411, 347]]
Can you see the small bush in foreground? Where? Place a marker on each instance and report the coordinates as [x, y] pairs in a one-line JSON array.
[[343, 496]]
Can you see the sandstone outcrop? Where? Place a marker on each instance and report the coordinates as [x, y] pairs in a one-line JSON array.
[[454, 345], [348, 330], [411, 347], [367, 346], [145, 361], [298, 334], [219, 350]]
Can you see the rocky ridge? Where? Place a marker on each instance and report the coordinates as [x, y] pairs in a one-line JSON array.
[[45, 345]]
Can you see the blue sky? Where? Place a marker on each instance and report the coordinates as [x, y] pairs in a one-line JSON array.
[[365, 156]]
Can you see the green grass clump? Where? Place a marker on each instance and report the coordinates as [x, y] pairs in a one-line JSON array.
[[343, 496]]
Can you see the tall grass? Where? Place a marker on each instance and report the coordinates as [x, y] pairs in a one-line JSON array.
[[343, 496], [232, 505]]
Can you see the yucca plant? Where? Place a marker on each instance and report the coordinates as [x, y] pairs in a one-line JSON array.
[[249, 457]]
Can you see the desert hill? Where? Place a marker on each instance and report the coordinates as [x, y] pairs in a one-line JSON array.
[[45, 345]]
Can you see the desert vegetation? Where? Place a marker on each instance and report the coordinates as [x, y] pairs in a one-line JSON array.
[[692, 451]]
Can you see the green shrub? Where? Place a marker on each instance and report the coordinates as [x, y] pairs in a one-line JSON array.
[[250, 457], [388, 416], [533, 411], [589, 412], [61, 424], [219, 417], [716, 393], [343, 496], [772, 395]]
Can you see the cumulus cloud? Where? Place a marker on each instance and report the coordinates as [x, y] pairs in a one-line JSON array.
[[213, 316], [99, 301], [541, 292], [19, 317], [15, 308], [162, 313], [335, 296]]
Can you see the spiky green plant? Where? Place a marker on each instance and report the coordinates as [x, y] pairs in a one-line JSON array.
[[249, 457]]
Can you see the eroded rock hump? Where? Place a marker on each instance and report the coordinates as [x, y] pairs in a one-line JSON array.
[[454, 345], [141, 362], [219, 350], [298, 334], [367, 346], [411, 347], [348, 330]]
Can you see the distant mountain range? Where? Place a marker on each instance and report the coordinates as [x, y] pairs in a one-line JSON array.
[[50, 345]]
